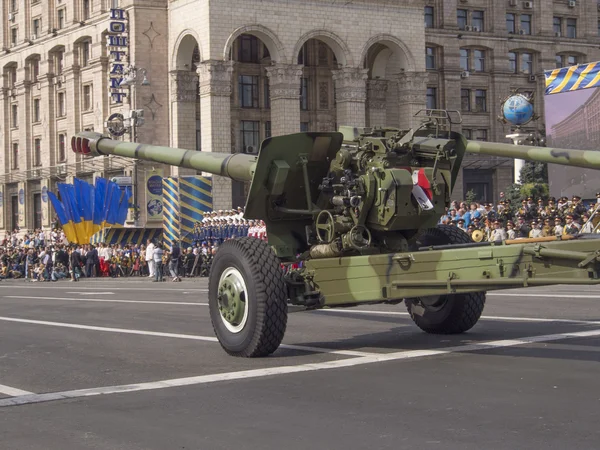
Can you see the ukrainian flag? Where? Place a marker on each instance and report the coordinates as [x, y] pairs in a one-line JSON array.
[[574, 78], [63, 218], [67, 195], [99, 202]]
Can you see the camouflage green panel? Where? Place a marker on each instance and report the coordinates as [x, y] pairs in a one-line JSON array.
[[579, 158], [358, 279]]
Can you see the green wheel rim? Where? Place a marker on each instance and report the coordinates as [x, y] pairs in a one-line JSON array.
[[232, 299]]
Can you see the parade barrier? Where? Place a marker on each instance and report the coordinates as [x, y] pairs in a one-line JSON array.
[[125, 236], [83, 209]]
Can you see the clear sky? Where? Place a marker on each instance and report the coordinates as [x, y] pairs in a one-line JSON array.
[[560, 106]]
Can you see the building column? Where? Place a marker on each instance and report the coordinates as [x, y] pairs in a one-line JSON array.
[[215, 120], [376, 103], [184, 85], [350, 96], [284, 86], [412, 90]]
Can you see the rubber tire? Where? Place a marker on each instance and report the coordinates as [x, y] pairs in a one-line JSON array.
[[460, 312], [267, 297]]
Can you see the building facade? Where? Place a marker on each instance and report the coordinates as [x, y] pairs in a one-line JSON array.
[[224, 75]]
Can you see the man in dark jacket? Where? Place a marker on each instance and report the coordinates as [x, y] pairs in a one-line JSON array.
[[91, 259], [75, 262]]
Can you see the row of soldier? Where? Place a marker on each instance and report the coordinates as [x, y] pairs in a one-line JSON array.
[[219, 226]]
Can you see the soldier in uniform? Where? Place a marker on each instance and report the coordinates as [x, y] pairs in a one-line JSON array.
[[536, 230], [510, 230], [547, 229], [498, 233], [523, 211], [571, 227], [522, 229], [577, 206]]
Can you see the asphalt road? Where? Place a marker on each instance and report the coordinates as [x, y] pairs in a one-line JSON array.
[[130, 364]]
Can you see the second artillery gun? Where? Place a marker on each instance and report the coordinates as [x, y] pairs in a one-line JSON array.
[[358, 213]]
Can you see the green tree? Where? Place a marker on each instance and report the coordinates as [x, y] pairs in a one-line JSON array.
[[534, 172], [470, 196]]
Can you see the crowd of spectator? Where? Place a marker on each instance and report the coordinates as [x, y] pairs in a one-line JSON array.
[[531, 218], [47, 256]]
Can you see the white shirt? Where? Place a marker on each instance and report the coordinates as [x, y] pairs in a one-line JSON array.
[[149, 252]]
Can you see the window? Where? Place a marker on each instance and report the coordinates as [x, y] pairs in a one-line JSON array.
[[14, 115], [58, 63], [465, 100], [431, 98], [60, 106], [481, 135], [248, 49], [35, 70], [430, 57], [248, 91], [267, 92], [303, 127], [304, 94], [14, 35], [461, 17], [429, 19], [13, 5], [526, 23], [12, 76], [468, 134], [565, 60], [86, 9], [557, 25], [480, 100], [510, 24], [572, 28], [37, 210], [85, 53], [36, 110], [36, 28], [62, 154], [249, 135], [303, 55], [37, 152], [477, 20], [512, 62], [464, 59], [15, 155], [267, 129], [87, 97], [61, 17], [527, 63], [479, 60]]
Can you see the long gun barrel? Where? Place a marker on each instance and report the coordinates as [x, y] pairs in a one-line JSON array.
[[238, 166], [589, 159]]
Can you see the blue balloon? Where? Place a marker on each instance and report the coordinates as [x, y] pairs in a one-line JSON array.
[[517, 109]]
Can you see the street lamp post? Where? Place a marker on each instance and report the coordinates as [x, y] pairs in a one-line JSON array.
[[134, 119]]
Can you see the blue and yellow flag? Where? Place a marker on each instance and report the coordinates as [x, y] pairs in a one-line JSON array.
[[574, 78], [62, 217]]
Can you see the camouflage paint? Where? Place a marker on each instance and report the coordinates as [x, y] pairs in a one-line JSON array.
[[361, 279]]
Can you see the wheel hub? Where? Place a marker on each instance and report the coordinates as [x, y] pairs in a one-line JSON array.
[[231, 300]]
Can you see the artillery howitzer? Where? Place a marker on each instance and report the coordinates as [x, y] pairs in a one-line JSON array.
[[359, 210]]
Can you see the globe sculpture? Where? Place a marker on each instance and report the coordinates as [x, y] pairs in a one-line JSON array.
[[517, 109]]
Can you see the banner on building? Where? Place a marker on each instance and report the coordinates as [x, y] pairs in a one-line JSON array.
[[572, 102], [2, 206], [154, 195], [46, 219], [21, 204]]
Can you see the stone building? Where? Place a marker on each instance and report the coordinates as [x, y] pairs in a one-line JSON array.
[[224, 75]]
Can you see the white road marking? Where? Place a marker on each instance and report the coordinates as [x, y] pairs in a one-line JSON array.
[[329, 310], [104, 300], [70, 286], [566, 295], [175, 335], [91, 293], [507, 318], [283, 370], [13, 392]]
